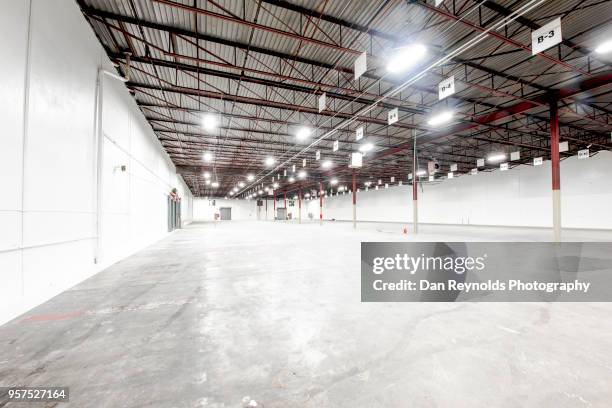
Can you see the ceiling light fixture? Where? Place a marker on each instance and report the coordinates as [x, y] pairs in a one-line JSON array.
[[366, 147], [604, 47], [303, 133], [496, 157], [291, 179], [302, 174], [207, 156], [440, 119], [333, 181], [406, 57], [206, 175], [250, 177], [241, 184], [214, 184], [326, 164], [209, 121], [270, 161]]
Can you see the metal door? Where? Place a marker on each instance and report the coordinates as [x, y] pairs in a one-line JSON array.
[[226, 213]]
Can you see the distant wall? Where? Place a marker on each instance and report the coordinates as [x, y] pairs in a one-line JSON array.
[[518, 197], [204, 210], [49, 158]]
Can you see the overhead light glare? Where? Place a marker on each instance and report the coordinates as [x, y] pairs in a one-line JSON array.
[[406, 57], [302, 174], [209, 121], [326, 164], [206, 175], [440, 118], [214, 184], [250, 177], [207, 156], [291, 179], [303, 133], [496, 157], [333, 181], [275, 185], [604, 48], [366, 147], [241, 184], [270, 161], [421, 173]]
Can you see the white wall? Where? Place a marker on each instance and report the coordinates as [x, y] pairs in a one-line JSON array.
[[48, 158], [203, 210], [518, 197]]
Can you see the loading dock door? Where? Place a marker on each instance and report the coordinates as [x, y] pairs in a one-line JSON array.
[[226, 213], [281, 213]]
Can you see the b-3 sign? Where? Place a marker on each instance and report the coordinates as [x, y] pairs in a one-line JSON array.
[[546, 36]]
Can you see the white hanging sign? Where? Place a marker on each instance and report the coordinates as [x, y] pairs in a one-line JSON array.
[[515, 156], [293, 168], [503, 166], [392, 116], [546, 36], [322, 102], [392, 179], [453, 167], [438, 2], [409, 176], [446, 87], [431, 178], [400, 182], [451, 175], [361, 65], [563, 147], [318, 155], [480, 163], [336, 145], [285, 173], [303, 162], [583, 154], [474, 172], [356, 160], [359, 133], [537, 161]]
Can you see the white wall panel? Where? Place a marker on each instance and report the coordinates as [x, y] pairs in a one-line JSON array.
[[58, 245], [518, 197], [241, 209]]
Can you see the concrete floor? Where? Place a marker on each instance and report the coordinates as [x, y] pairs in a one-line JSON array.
[[213, 314]]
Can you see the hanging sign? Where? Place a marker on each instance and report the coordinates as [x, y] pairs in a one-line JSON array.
[[293, 168], [431, 178], [446, 87], [322, 102], [453, 167], [356, 160], [515, 156], [359, 133], [537, 161], [361, 65], [503, 166], [392, 179], [563, 147], [336, 145], [318, 155], [451, 175], [583, 154], [474, 172], [546, 36], [480, 163], [392, 116], [303, 162]]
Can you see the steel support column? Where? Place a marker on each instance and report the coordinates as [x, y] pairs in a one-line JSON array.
[[415, 204], [286, 210], [354, 200], [300, 205], [274, 198], [556, 175], [320, 203]]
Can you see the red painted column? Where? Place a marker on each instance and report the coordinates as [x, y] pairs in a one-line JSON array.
[[285, 199], [274, 198], [354, 200], [320, 203], [556, 174], [300, 205], [415, 203]]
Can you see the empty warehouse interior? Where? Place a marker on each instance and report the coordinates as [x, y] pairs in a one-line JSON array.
[[306, 203]]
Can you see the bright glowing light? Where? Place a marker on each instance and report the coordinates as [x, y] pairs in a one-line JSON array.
[[207, 182], [406, 57], [333, 181], [368, 183], [206, 175], [291, 179], [440, 118], [302, 174], [307, 195], [207, 156], [604, 48], [209, 121], [366, 147], [250, 177], [241, 184], [260, 192], [326, 164], [421, 173], [270, 161], [214, 184], [231, 193], [275, 185], [496, 157], [303, 133]]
